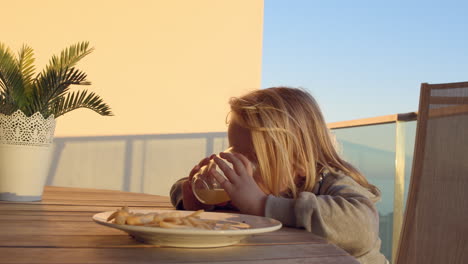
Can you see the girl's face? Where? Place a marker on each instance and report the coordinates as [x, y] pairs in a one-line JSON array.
[[240, 139]]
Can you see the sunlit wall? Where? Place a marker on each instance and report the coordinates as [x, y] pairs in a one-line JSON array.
[[164, 66]]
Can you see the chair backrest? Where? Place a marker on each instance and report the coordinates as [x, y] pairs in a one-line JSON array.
[[435, 228]]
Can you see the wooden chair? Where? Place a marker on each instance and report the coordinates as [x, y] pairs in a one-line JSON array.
[[435, 228]]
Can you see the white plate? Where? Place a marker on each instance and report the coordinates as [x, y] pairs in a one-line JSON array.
[[247, 225]]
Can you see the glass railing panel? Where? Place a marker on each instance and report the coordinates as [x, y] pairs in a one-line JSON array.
[[88, 164], [220, 144], [372, 150], [137, 163]]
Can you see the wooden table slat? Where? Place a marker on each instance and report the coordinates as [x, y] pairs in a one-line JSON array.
[[116, 204], [68, 208], [121, 239], [60, 229], [168, 255]]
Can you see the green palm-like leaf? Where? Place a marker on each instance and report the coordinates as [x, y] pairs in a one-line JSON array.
[[48, 92], [11, 80], [55, 80], [7, 65], [7, 106], [25, 64], [52, 84], [80, 99], [70, 56]]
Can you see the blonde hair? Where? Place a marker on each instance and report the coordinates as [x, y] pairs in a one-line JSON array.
[[290, 136]]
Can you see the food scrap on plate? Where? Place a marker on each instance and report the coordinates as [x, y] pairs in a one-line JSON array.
[[174, 219]]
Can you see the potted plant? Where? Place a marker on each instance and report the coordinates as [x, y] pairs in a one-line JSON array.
[[29, 105]]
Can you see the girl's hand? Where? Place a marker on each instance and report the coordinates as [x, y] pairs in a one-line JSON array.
[[245, 194], [190, 201]]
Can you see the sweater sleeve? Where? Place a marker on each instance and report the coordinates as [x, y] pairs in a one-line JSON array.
[[343, 213]]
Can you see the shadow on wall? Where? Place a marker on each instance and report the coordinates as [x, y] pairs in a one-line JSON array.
[[138, 163]]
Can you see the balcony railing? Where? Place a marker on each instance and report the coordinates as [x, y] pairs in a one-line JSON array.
[[381, 147]]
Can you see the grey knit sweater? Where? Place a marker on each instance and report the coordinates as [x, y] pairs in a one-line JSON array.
[[339, 210]]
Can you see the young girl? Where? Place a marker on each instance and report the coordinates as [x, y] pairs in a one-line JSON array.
[[299, 178]]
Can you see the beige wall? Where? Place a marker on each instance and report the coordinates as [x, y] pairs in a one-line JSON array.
[[164, 66]]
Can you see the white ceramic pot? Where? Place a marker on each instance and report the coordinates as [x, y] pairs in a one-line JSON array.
[[23, 172], [25, 155]]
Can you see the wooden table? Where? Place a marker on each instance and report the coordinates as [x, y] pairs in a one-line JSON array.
[[60, 230]]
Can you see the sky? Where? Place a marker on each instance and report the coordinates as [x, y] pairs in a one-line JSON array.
[[364, 58]]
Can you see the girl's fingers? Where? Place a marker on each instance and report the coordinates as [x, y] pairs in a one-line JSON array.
[[194, 171], [225, 183], [197, 168], [228, 172], [247, 163], [238, 165], [204, 161]]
